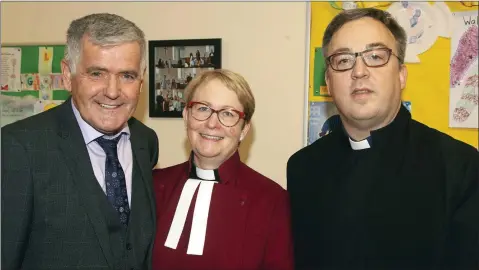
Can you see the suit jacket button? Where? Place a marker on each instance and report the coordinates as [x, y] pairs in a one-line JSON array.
[[128, 246]]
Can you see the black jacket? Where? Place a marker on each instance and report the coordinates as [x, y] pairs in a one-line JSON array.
[[411, 201]]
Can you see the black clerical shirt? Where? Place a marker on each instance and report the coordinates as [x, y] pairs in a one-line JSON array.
[[410, 201]]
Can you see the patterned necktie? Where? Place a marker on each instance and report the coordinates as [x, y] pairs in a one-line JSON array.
[[115, 179]]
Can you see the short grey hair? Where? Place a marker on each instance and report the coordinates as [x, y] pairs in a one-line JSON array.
[[102, 29], [355, 14]]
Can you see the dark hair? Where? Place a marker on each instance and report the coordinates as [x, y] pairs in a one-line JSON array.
[[355, 14]]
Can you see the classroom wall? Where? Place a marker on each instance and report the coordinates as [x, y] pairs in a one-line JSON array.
[[265, 42], [427, 85]]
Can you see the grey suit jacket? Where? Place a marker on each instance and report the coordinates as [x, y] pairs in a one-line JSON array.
[[50, 213]]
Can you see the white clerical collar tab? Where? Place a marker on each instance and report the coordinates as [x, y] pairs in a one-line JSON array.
[[364, 144], [200, 216], [205, 174]]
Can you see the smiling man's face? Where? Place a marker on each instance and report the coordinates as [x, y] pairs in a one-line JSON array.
[[106, 86]]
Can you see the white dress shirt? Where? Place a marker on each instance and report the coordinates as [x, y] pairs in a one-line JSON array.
[[98, 156]]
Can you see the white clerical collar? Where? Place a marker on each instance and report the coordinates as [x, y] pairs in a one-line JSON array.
[[205, 174], [364, 144], [200, 215]]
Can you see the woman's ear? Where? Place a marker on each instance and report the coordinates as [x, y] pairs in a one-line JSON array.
[[185, 117], [244, 131]]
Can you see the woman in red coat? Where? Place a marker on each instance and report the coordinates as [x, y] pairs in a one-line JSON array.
[[213, 211]]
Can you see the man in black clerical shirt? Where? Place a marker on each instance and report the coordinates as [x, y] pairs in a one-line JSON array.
[[381, 191]]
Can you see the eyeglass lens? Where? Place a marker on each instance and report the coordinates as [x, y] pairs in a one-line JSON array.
[[227, 117], [373, 58]]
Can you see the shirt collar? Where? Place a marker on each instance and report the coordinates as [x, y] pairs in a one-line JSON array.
[[389, 136], [202, 174], [88, 132], [226, 172], [205, 174], [360, 145]]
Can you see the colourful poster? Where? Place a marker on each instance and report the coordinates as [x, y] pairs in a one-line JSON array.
[[40, 85], [46, 92], [30, 81], [57, 82], [320, 88], [14, 108], [419, 20], [463, 96], [10, 66], [45, 60], [45, 105], [323, 115]]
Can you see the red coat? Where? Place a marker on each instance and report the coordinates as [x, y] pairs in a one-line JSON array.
[[248, 223]]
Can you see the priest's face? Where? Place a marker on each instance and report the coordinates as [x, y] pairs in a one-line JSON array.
[[211, 141], [366, 97]]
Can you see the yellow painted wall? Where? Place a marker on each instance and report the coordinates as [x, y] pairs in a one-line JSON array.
[[428, 82]]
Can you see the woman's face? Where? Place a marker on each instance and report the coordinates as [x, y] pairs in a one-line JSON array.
[[211, 141]]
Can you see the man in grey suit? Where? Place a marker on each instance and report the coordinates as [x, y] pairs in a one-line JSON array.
[[77, 179]]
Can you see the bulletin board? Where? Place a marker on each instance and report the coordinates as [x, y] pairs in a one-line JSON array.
[[428, 85], [31, 80]]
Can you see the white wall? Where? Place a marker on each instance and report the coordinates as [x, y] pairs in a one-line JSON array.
[[265, 42]]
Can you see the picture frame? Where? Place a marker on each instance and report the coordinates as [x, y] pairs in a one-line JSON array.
[[172, 65]]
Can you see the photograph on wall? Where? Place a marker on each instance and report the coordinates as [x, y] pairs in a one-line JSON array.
[[463, 95], [173, 64]]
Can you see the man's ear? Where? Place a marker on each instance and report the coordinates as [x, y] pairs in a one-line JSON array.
[[142, 79], [326, 77], [403, 76], [66, 75]]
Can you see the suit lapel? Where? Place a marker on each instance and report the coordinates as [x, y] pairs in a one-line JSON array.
[[77, 159], [139, 147]]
